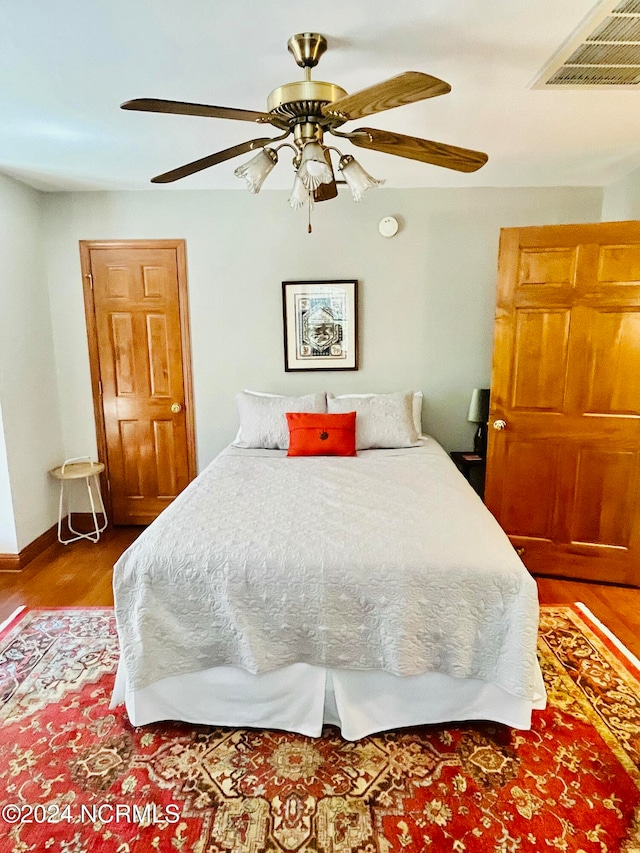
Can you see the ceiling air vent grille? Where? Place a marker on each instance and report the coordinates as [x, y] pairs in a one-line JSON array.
[[603, 51]]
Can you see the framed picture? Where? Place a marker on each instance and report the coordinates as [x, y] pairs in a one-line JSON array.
[[320, 325]]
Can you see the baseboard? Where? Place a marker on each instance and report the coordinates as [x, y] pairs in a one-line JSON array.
[[10, 563], [17, 562]]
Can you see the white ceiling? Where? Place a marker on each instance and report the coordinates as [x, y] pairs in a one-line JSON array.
[[65, 67]]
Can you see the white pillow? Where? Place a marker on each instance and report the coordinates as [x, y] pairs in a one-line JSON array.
[[257, 394], [263, 421], [418, 397], [382, 420]]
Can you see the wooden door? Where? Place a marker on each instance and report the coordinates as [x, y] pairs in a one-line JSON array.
[[137, 321], [563, 475]]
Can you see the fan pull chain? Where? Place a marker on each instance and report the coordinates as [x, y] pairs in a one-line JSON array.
[[309, 228]]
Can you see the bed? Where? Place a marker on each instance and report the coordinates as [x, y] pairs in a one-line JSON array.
[[371, 591]]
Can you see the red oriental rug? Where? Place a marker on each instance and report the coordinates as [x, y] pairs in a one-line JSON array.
[[76, 776]]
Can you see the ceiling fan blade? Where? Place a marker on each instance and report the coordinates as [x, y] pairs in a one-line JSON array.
[[211, 160], [403, 89], [436, 153], [157, 105]]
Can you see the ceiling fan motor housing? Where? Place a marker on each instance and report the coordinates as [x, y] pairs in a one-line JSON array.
[[303, 100]]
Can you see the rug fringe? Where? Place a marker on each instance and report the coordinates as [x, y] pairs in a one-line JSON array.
[[610, 635], [11, 618]]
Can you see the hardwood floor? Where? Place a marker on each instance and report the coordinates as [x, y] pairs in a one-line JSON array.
[[67, 575], [80, 575]]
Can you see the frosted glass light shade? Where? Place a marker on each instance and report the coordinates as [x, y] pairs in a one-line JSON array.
[[314, 169], [255, 171], [299, 194], [357, 179]]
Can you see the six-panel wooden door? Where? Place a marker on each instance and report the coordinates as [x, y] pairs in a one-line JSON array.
[[135, 294], [563, 473]]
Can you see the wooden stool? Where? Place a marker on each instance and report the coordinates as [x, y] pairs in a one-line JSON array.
[[81, 468]]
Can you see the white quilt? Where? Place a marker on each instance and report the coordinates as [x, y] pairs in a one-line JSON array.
[[384, 561]]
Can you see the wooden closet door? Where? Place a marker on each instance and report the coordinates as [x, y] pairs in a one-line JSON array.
[[563, 475], [135, 295]]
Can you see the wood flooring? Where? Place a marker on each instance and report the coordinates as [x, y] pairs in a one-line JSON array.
[[80, 575]]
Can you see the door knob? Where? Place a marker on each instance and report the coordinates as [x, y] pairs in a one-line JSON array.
[[499, 424], [175, 408]]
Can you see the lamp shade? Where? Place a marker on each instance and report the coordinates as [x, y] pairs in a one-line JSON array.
[[299, 194], [256, 170], [357, 179], [314, 169], [479, 406]]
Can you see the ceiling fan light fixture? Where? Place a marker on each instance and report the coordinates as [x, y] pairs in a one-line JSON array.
[[314, 169], [358, 180], [255, 171]]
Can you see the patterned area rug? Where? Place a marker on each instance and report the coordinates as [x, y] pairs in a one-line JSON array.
[[76, 776]]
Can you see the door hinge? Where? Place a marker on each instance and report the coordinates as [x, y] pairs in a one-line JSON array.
[[108, 484]]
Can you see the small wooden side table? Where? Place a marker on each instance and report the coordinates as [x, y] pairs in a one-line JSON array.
[[472, 465], [81, 468]]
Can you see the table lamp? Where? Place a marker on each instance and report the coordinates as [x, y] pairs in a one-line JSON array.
[[479, 414]]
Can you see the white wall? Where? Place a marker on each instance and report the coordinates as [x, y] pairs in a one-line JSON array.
[[426, 295], [621, 200], [28, 389], [8, 537]]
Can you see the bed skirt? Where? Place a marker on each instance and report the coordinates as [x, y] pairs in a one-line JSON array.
[[301, 698]]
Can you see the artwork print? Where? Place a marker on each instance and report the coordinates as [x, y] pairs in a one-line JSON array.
[[320, 325]]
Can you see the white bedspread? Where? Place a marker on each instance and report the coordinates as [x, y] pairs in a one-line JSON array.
[[385, 561]]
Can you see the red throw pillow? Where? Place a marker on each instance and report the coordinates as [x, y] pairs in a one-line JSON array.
[[313, 434]]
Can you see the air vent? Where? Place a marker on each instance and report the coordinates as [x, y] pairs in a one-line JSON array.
[[603, 51]]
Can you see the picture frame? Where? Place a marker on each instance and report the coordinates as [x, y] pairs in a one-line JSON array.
[[320, 320]]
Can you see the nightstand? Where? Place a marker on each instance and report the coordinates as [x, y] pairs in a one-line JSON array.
[[472, 465]]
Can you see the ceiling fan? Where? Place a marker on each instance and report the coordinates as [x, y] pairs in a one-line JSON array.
[[310, 108]]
